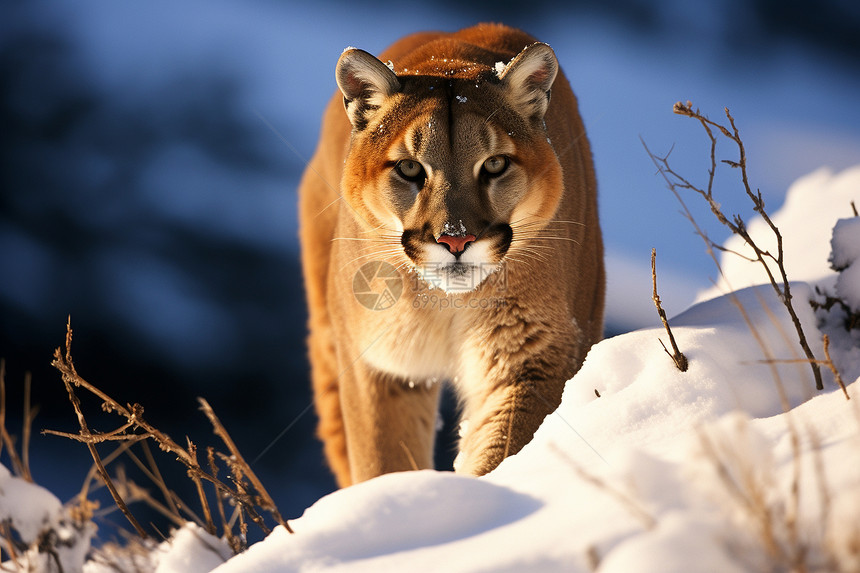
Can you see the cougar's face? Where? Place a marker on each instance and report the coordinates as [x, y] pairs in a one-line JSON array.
[[452, 175]]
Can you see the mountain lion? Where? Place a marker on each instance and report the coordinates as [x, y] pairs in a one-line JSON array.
[[449, 232]]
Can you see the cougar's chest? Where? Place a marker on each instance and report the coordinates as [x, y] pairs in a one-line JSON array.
[[418, 344]]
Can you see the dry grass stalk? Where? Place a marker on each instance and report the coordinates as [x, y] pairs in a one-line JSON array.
[[154, 474], [265, 500], [776, 519], [756, 502], [752, 494], [677, 356], [409, 456], [749, 492], [787, 541], [235, 542], [198, 484], [778, 279], [827, 362], [765, 350], [39, 553], [8, 542], [20, 463], [625, 500], [592, 558], [824, 495], [246, 491], [26, 426]]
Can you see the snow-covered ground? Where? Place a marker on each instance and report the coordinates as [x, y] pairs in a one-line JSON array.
[[737, 464]]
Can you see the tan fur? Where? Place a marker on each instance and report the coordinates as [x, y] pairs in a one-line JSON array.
[[509, 344]]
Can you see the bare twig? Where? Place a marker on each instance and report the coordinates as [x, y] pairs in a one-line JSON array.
[[85, 433], [677, 356], [779, 279]]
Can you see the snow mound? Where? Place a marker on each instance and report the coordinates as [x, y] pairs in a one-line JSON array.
[[373, 524], [645, 400]]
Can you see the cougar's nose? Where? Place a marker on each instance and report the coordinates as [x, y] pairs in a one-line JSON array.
[[455, 244]]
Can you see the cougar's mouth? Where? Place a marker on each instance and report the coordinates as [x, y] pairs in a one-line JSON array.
[[457, 263]]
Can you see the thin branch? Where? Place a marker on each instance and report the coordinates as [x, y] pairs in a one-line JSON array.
[[677, 356], [665, 171], [85, 433], [91, 475]]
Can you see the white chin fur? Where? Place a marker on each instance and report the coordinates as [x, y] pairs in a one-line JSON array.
[[442, 270]]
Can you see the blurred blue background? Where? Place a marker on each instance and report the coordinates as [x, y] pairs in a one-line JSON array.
[[151, 154]]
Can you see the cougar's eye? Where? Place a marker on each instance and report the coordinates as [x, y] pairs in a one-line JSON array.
[[410, 170], [496, 165]]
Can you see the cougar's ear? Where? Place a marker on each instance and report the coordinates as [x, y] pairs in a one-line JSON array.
[[528, 79], [365, 83]]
